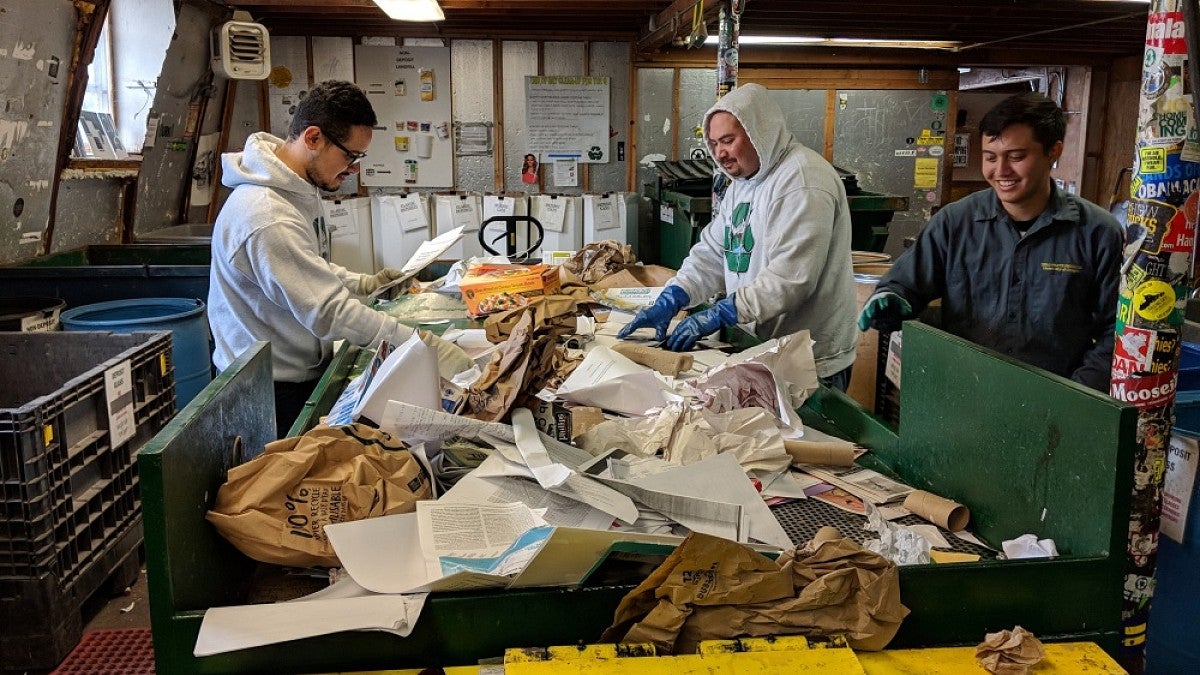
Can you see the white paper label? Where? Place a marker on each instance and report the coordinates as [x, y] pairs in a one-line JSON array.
[[666, 214], [412, 216], [498, 206], [552, 213], [1179, 482], [892, 369], [604, 215], [118, 392], [466, 215], [37, 323]]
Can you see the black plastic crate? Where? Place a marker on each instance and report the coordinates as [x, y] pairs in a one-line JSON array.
[[69, 510]]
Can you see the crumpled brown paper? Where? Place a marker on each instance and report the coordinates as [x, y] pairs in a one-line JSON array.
[[552, 314], [1010, 652], [274, 508], [635, 276], [599, 259], [712, 588], [528, 361]]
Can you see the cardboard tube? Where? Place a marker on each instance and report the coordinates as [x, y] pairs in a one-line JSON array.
[[665, 362], [938, 510], [830, 453], [824, 534]]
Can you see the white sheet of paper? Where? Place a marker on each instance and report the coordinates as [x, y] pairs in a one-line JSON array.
[[548, 473], [554, 465], [786, 484], [566, 172], [719, 479], [226, 629], [384, 555], [409, 374], [425, 254], [611, 381], [478, 487], [931, 534], [419, 423]]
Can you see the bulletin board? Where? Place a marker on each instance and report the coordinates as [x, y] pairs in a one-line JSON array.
[[409, 87]]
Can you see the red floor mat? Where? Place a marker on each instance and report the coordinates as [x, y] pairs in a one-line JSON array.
[[119, 651]]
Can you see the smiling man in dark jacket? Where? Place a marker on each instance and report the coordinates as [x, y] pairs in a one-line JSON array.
[[1023, 268]]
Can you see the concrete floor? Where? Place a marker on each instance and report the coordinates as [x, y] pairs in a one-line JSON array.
[[130, 610]]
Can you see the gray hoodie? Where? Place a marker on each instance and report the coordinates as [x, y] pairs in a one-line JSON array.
[[780, 239], [270, 279]]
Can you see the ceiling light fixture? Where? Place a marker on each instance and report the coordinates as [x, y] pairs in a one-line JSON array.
[[840, 42], [412, 10]]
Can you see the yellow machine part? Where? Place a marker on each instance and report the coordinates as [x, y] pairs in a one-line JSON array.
[[792, 654]]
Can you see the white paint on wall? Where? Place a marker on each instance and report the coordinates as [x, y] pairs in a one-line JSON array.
[[12, 132], [38, 184], [23, 51], [45, 123]]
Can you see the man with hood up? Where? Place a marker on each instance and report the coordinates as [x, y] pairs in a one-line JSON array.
[[778, 246], [271, 278]]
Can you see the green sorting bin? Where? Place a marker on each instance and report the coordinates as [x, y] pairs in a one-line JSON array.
[[682, 217], [870, 213], [1061, 471]]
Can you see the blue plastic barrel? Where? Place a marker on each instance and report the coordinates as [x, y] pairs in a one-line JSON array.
[[184, 317], [1171, 644]]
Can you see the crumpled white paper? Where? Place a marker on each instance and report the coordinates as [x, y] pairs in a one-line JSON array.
[[1029, 546], [897, 543]]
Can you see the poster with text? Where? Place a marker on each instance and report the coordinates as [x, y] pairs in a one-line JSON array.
[[409, 87], [568, 117]]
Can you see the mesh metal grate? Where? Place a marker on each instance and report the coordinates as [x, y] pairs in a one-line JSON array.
[[802, 518], [123, 651]]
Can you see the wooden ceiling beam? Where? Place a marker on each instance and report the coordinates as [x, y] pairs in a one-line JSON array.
[[673, 21]]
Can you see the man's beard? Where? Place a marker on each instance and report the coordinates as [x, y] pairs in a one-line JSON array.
[[312, 178]]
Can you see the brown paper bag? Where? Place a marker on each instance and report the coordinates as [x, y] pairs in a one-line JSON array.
[[274, 508], [711, 588]]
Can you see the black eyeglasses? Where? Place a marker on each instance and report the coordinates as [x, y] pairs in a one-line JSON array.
[[355, 157]]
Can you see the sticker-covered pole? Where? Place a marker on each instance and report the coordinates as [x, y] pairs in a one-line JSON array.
[[1154, 287], [728, 31]]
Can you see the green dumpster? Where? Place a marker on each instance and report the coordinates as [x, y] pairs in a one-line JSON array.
[[103, 272], [1027, 451]]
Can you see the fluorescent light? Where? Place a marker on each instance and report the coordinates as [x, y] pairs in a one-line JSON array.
[[837, 42], [412, 10]]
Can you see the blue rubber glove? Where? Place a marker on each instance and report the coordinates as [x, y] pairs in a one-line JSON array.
[[696, 326], [658, 316], [884, 311]]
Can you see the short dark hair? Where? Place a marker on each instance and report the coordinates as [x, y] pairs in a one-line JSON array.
[[1047, 120], [334, 106]]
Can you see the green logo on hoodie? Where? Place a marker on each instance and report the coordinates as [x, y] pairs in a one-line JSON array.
[[739, 240]]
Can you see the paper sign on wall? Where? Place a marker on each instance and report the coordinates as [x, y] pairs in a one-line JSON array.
[[568, 115]]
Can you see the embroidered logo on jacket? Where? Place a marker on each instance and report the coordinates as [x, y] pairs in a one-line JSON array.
[[739, 240], [1069, 268]]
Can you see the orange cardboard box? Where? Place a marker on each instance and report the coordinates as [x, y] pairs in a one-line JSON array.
[[495, 288]]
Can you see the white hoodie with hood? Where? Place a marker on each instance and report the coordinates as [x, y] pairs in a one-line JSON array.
[[269, 278], [793, 222]]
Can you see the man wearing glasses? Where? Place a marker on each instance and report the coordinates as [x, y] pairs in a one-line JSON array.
[[271, 278]]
